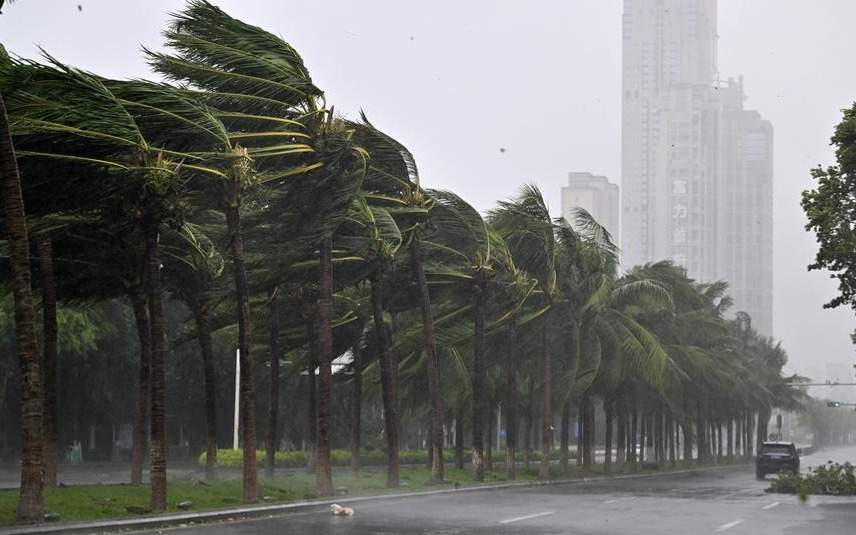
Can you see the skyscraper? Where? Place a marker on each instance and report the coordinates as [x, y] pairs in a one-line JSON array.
[[594, 193], [745, 204], [685, 140]]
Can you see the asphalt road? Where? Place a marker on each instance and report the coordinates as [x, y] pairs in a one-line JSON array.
[[728, 501]]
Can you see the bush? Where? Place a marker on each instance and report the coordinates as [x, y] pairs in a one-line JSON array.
[[831, 479], [298, 459], [368, 457]]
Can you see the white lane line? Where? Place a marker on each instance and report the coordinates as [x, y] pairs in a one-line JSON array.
[[770, 506], [728, 526], [527, 517], [624, 499]]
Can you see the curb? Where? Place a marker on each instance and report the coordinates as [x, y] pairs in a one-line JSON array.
[[254, 511]]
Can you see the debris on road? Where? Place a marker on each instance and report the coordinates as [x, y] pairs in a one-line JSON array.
[[340, 510]]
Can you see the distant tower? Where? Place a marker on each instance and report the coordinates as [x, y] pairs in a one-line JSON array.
[[745, 207], [597, 195], [668, 133], [688, 150]]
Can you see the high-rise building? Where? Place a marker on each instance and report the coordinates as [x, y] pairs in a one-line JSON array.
[[745, 207], [685, 149], [594, 193]]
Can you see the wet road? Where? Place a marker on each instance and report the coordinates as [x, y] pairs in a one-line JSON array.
[[727, 501]]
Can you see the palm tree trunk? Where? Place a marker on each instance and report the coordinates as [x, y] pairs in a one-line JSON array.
[[248, 385], [324, 469], [433, 363], [459, 438], [527, 450], [30, 501], [511, 403], [588, 456], [581, 431], [687, 427], [428, 446], [621, 446], [158, 372], [491, 432], [478, 381], [565, 433], [763, 426], [547, 416], [209, 375], [719, 441], [670, 429], [311, 412], [701, 427], [356, 404], [273, 408], [730, 439], [607, 459], [634, 422], [138, 451], [679, 444], [750, 424], [388, 373], [49, 354]]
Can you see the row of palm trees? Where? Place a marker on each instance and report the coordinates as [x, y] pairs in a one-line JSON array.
[[237, 190]]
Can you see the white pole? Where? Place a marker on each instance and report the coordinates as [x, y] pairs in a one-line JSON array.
[[237, 398]]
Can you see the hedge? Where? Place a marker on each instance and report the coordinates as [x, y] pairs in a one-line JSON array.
[[298, 459]]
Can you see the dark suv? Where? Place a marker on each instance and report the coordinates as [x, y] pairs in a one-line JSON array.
[[774, 457]]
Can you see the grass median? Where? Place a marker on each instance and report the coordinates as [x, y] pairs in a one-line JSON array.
[[98, 502]]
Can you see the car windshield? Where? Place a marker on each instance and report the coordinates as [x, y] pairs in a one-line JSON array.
[[775, 448]]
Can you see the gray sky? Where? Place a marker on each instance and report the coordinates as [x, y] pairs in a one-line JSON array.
[[458, 80]]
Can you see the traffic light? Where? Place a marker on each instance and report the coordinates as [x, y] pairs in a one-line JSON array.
[[834, 404]]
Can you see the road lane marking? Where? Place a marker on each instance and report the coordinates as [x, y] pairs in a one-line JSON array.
[[527, 517], [623, 499], [770, 506], [728, 526]]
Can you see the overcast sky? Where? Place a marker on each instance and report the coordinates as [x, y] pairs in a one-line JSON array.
[[456, 81]]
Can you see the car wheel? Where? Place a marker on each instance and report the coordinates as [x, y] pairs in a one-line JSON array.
[[759, 475]]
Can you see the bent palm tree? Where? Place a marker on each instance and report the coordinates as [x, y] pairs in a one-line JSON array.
[[135, 144], [30, 503]]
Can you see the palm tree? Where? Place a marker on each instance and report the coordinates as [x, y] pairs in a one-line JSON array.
[[392, 181], [467, 240], [263, 93], [375, 240], [192, 267], [256, 82], [274, 348], [49, 356], [30, 503], [526, 225], [137, 126]]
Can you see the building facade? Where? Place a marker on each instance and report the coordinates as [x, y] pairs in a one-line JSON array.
[[597, 195], [687, 143], [745, 204]]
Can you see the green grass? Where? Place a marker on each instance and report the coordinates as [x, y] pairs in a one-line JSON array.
[[93, 502]]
